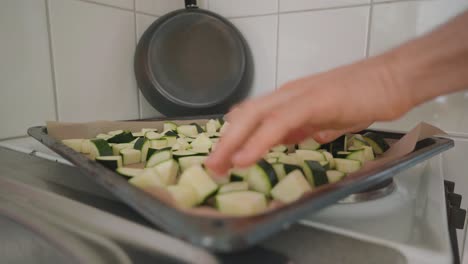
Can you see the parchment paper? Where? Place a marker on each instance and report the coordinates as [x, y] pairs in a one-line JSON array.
[[62, 130]]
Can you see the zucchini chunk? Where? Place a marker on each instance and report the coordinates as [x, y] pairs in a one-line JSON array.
[[198, 179], [110, 162], [241, 203], [377, 142], [234, 187], [291, 188], [347, 165], [129, 172], [262, 177], [184, 195]]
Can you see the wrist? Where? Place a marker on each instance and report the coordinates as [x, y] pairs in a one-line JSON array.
[[395, 84]]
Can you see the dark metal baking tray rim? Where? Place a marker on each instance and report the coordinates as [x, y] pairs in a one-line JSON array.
[[237, 233]]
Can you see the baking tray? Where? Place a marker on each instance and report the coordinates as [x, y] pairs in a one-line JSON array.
[[236, 233]]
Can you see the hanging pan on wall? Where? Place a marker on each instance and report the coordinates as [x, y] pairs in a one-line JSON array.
[[193, 62]]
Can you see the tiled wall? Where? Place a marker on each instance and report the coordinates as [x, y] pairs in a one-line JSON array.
[[71, 60]]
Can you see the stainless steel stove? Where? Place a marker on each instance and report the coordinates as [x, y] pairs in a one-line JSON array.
[[403, 220]]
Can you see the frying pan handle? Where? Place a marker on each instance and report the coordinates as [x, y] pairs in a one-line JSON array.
[[191, 4]]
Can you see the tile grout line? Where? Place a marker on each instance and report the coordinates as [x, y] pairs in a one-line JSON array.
[[277, 44], [323, 9], [140, 110], [369, 27], [106, 5], [52, 59]]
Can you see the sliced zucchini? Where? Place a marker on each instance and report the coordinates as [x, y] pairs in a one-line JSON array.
[[171, 140], [129, 172], [184, 153], [99, 147], [188, 130], [138, 134], [289, 159], [151, 135], [201, 144], [239, 174], [262, 177], [368, 153], [130, 156], [184, 195], [118, 147], [103, 136], [338, 145], [211, 127], [280, 170], [342, 154], [199, 128], [159, 143], [310, 155], [280, 148], [325, 164], [276, 155], [75, 144], [189, 161], [241, 203], [144, 130], [86, 146], [139, 143], [334, 175], [169, 126], [171, 133], [144, 150], [329, 157], [110, 162], [115, 132], [168, 171], [234, 187], [356, 141], [357, 155], [157, 156], [377, 142], [291, 188], [309, 144], [123, 137], [181, 144], [288, 168], [235, 178], [272, 160], [198, 178], [347, 165], [149, 178], [315, 173]]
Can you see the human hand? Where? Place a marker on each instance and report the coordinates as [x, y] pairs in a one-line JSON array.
[[323, 106]]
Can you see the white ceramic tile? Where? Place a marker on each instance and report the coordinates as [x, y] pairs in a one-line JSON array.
[[26, 90], [260, 33], [311, 42], [127, 4], [295, 5], [229, 8], [397, 22], [93, 53], [147, 110], [162, 7]]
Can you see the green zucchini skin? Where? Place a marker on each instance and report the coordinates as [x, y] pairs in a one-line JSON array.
[[318, 173], [199, 128], [139, 143], [377, 142], [288, 168], [270, 172], [103, 147], [235, 178], [124, 137], [153, 150]]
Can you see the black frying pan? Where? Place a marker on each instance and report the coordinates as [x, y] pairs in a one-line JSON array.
[[193, 62]]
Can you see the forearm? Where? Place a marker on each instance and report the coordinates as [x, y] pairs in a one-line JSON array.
[[432, 65]]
